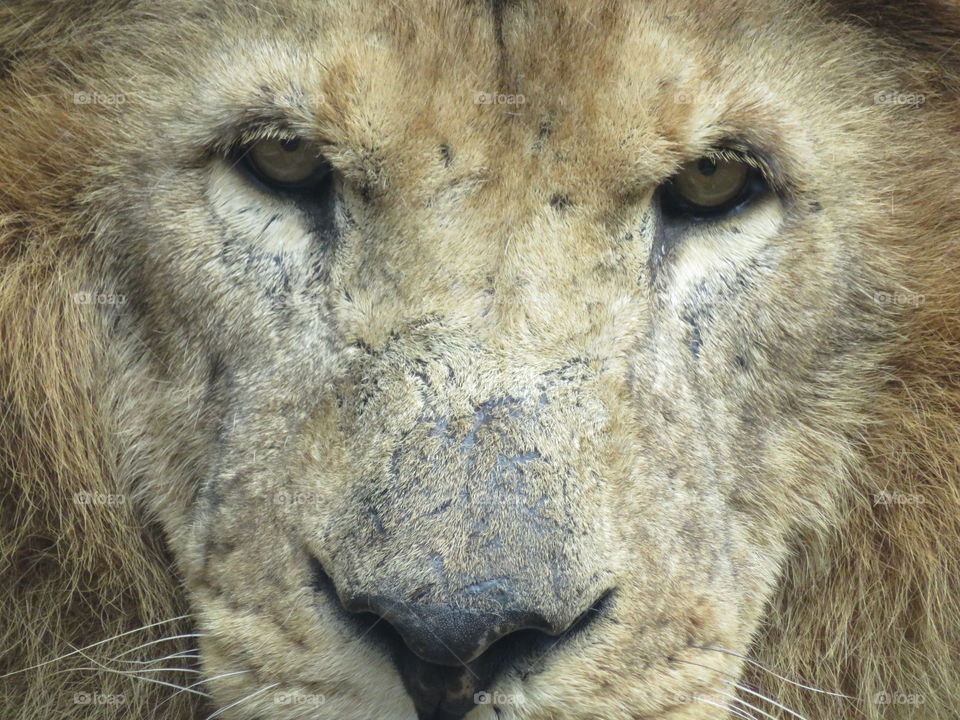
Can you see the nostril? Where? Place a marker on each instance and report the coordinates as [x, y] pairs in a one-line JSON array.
[[429, 684], [324, 587], [600, 607], [320, 581], [447, 634], [443, 650]]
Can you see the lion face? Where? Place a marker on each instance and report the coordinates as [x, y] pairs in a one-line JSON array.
[[495, 356]]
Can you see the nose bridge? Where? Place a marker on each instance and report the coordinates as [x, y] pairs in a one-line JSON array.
[[503, 256], [486, 477], [479, 502], [547, 271], [510, 245]]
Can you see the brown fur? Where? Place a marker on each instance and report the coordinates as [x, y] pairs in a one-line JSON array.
[[486, 250]]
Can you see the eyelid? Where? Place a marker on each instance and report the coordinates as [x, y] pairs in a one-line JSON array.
[[764, 163], [756, 183], [244, 135], [721, 153]]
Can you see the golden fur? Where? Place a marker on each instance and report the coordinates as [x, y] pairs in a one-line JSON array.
[[487, 245]]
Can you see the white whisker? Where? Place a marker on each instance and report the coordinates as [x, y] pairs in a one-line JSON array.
[[156, 642], [707, 667], [770, 700], [749, 706], [740, 686], [241, 700], [88, 647], [175, 656], [760, 665], [201, 682], [137, 677], [131, 674], [726, 708]]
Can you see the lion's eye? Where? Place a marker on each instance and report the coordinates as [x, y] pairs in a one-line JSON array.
[[710, 187], [286, 164]]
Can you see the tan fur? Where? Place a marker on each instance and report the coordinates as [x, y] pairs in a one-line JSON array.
[[744, 435]]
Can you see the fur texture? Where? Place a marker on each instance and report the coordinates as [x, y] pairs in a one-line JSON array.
[[489, 358]]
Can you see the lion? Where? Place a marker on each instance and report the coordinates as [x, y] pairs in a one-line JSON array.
[[461, 360]]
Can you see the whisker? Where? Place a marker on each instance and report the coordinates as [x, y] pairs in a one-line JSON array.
[[133, 675], [201, 682], [88, 647], [707, 667], [163, 669], [740, 686], [156, 642], [743, 702], [726, 708], [128, 674], [174, 656], [783, 707], [760, 665], [241, 700]]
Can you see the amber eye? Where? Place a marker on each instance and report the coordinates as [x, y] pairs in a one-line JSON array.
[[710, 187], [281, 164]]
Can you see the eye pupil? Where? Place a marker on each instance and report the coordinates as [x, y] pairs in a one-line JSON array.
[[710, 187], [706, 166], [286, 164]]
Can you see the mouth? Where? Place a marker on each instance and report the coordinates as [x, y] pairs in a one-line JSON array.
[[451, 684], [450, 692], [441, 693]]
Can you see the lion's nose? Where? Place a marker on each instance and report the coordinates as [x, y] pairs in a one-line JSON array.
[[449, 641], [451, 635]]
